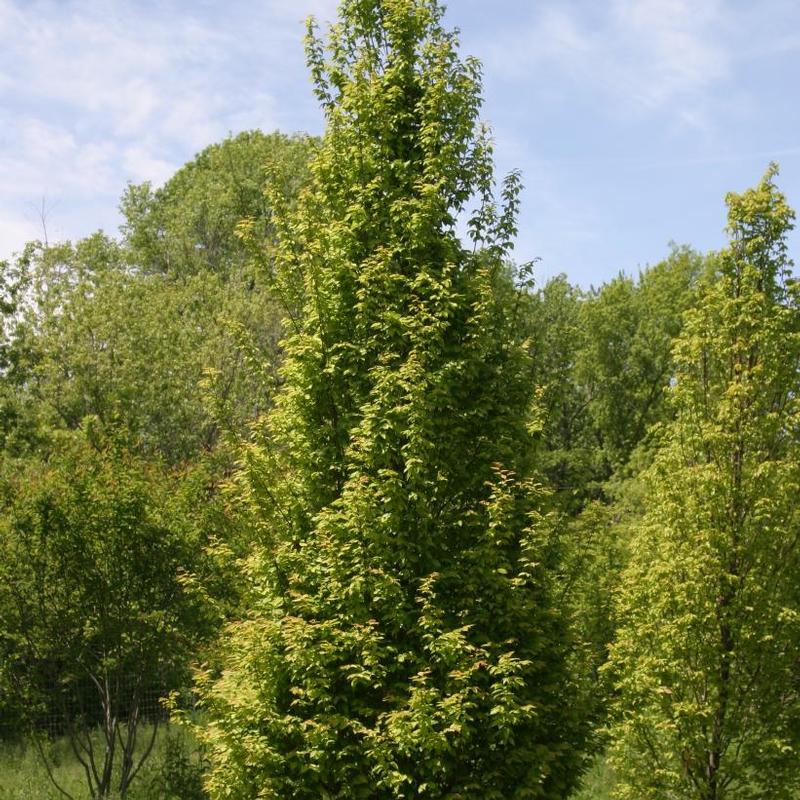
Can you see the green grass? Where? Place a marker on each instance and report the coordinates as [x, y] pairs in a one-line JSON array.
[[171, 772]]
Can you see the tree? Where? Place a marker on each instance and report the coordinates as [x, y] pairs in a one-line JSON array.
[[626, 361], [169, 334], [97, 622], [167, 361], [189, 224], [570, 455], [706, 660], [602, 363], [402, 640], [17, 420], [153, 348]]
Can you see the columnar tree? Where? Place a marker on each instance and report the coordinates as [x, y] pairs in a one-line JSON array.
[[402, 640], [707, 658]]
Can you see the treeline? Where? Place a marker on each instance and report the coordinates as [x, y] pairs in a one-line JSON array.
[[388, 515], [130, 368]]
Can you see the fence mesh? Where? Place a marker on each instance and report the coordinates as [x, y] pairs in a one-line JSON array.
[[56, 707]]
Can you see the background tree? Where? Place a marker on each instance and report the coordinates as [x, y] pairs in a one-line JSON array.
[[189, 224], [602, 364], [136, 350], [152, 366], [568, 449], [626, 362], [401, 640], [706, 659]]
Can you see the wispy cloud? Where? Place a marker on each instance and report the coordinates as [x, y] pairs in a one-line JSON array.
[[644, 55], [94, 93], [676, 47]]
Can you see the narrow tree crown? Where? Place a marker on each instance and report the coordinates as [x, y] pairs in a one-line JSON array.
[[708, 649], [403, 641]]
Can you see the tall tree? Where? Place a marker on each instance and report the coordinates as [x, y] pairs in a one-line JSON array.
[[706, 661], [157, 344], [402, 640], [625, 363], [189, 224]]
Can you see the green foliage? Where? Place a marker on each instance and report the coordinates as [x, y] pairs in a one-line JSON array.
[[626, 361], [189, 225], [402, 639], [569, 452], [177, 772], [597, 784], [134, 351], [17, 421], [96, 615], [595, 554], [706, 659], [414, 615], [167, 338], [602, 362], [144, 356]]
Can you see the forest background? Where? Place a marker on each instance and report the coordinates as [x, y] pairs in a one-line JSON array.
[[141, 399]]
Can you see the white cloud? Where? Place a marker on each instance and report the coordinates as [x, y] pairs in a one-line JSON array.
[[141, 165], [646, 55], [676, 46], [94, 93], [48, 158], [14, 230]]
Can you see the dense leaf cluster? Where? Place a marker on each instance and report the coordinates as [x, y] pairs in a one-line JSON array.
[[402, 639]]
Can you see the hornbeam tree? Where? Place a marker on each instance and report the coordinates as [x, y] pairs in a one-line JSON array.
[[402, 639], [706, 660]]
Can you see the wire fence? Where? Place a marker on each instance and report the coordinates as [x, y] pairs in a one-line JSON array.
[[55, 708], [83, 739]]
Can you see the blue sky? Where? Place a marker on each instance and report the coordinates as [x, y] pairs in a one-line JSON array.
[[630, 119]]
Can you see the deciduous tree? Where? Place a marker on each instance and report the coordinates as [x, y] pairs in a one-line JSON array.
[[403, 641], [97, 621], [706, 661]]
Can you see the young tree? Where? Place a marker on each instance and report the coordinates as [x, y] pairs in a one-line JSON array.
[[706, 661], [402, 640], [97, 623]]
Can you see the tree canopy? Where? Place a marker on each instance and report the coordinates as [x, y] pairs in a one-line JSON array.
[[705, 661], [402, 639]]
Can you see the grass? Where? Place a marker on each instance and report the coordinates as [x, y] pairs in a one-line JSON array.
[[172, 772]]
